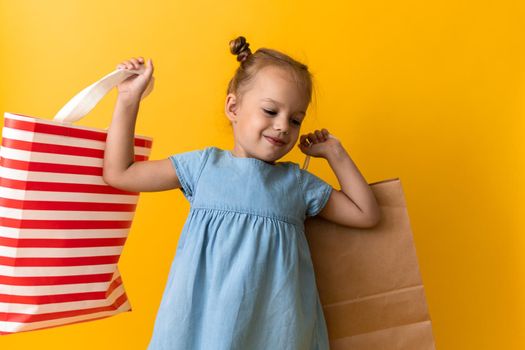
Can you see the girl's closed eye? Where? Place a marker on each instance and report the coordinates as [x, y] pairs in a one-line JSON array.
[[270, 112], [297, 122]]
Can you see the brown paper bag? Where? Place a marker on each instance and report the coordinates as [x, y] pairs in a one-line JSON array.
[[369, 281]]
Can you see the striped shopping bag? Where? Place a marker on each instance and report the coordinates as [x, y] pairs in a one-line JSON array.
[[62, 228]]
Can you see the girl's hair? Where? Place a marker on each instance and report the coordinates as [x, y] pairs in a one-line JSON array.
[[251, 64]]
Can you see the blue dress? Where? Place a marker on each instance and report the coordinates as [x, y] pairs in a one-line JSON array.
[[242, 277]]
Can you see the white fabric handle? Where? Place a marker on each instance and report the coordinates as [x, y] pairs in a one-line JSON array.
[[83, 102]]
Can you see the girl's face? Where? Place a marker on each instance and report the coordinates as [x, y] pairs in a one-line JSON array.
[[273, 107]]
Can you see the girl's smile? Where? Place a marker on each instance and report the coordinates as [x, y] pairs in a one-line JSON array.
[[274, 141]]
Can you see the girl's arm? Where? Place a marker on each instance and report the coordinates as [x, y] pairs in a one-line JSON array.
[[355, 204], [120, 170]]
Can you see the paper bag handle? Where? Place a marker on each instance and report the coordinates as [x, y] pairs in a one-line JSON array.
[[83, 102]]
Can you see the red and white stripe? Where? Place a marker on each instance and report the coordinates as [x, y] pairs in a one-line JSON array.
[[62, 228]]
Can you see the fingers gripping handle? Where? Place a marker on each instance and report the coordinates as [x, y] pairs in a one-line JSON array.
[[83, 102], [307, 159]]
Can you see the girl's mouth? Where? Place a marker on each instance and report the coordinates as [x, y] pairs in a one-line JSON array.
[[273, 141]]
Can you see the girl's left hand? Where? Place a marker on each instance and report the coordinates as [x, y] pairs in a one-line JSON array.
[[318, 144]]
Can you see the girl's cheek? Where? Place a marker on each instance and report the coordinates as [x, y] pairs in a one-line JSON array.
[[261, 122]]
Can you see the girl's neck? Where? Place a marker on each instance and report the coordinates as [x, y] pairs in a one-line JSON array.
[[235, 156]]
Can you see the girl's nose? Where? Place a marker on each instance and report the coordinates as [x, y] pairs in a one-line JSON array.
[[281, 125]]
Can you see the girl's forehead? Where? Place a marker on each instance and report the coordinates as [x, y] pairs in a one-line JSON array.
[[271, 76], [276, 87]]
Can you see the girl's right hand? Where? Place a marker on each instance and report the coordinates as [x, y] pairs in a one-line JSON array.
[[135, 85]]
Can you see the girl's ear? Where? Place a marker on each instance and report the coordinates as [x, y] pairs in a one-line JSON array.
[[230, 107]]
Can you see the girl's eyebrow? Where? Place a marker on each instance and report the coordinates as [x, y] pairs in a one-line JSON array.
[[279, 103]]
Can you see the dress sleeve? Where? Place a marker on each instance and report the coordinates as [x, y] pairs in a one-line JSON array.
[[315, 190], [188, 166]]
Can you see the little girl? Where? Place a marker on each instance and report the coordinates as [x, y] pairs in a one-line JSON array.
[[242, 277]]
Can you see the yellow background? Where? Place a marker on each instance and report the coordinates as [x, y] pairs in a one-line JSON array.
[[431, 92]]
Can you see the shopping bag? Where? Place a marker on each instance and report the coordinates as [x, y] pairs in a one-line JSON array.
[[62, 228], [369, 281]]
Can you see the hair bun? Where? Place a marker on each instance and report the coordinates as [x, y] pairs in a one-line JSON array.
[[241, 48]]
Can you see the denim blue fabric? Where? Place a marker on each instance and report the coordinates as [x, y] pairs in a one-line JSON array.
[[242, 277]]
